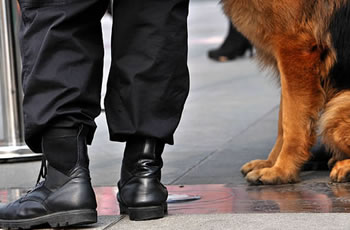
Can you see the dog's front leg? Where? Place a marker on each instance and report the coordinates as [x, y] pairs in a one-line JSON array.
[[260, 164], [299, 64]]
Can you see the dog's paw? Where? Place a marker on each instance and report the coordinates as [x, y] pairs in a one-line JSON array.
[[341, 172], [254, 165], [271, 176]]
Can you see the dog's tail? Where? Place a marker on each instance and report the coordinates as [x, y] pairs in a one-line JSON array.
[[335, 125]]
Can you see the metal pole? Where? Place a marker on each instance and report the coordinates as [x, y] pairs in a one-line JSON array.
[[12, 146]]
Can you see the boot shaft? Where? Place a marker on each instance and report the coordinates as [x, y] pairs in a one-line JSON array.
[[142, 158], [66, 148]]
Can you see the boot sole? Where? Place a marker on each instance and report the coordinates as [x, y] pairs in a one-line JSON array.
[[55, 220], [144, 213]]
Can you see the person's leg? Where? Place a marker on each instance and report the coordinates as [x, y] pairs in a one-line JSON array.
[[149, 80], [62, 54], [235, 45], [147, 89]]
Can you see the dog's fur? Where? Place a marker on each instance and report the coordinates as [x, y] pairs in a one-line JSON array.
[[307, 42]]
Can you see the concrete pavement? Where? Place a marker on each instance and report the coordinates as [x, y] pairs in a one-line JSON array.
[[240, 222]]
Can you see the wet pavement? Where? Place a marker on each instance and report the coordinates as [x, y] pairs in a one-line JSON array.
[[219, 199], [312, 197]]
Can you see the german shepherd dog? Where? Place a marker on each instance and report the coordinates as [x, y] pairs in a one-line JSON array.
[[307, 43]]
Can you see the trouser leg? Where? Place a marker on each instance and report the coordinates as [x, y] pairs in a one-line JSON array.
[[149, 80], [62, 52]]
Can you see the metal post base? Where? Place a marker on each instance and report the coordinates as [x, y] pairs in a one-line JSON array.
[[9, 154]]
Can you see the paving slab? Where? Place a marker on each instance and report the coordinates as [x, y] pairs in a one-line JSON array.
[[242, 222]]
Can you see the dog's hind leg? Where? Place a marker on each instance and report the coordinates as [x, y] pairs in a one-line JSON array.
[[335, 131], [299, 61], [259, 164]]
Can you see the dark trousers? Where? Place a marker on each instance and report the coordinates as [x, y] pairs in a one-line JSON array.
[[62, 53]]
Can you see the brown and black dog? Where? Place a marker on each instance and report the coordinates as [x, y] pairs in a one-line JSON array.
[[307, 42]]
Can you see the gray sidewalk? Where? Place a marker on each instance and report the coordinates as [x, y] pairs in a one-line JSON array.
[[236, 222]]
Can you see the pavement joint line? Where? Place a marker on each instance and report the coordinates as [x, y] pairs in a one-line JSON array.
[[226, 143], [113, 223], [218, 84], [193, 167]]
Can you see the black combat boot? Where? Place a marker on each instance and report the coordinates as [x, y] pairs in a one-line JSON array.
[[141, 194], [66, 196]]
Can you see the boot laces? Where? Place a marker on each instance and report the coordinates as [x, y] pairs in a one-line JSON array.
[[43, 170], [42, 174]]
